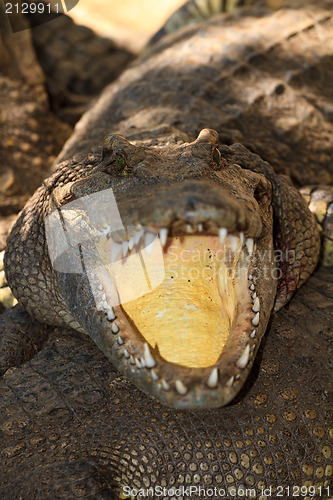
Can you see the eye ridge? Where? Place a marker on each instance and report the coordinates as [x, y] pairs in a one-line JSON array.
[[216, 159]]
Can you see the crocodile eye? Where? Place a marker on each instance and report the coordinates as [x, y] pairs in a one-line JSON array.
[[216, 159], [120, 163]]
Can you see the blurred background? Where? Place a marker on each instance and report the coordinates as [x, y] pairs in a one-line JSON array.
[[130, 23]]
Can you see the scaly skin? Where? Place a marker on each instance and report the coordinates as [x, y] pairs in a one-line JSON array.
[[71, 427]]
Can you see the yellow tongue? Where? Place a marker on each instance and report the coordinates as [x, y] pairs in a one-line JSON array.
[[185, 316]]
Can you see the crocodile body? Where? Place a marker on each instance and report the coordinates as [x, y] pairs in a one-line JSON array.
[[273, 434]]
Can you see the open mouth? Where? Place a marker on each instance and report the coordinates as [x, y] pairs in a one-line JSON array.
[[178, 331]]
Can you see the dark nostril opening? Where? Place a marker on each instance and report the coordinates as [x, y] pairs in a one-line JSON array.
[[191, 203], [279, 89]]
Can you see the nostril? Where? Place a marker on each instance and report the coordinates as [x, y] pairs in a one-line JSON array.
[[191, 203]]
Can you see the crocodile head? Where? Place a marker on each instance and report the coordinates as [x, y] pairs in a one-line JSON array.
[[212, 232]]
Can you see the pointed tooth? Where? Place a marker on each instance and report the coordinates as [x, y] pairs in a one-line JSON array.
[[143, 364], [249, 245], [181, 388], [241, 238], [104, 297], [100, 287], [116, 248], [165, 385], [233, 243], [252, 286], [114, 327], [254, 295], [125, 246], [149, 360], [222, 234], [126, 353], [154, 375], [149, 239], [138, 362], [230, 381], [243, 360], [213, 378], [131, 243], [163, 235], [120, 340], [110, 313], [188, 228], [200, 227], [138, 236], [132, 360], [255, 320], [105, 305], [256, 305], [252, 334]]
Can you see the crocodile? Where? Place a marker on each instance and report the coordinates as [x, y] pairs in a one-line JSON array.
[[205, 195]]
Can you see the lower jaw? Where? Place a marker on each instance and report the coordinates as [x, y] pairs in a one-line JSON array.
[[179, 376]]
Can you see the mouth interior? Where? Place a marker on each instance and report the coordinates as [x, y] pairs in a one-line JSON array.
[[190, 315]]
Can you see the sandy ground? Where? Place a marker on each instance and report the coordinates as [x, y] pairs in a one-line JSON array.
[[129, 22]]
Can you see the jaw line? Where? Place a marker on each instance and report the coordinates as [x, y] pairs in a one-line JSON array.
[[182, 386]]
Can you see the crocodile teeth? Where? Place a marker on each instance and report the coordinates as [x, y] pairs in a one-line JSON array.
[[114, 327], [132, 360], [124, 247], [149, 360], [222, 234], [126, 353], [165, 385], [188, 228], [256, 305], [233, 243], [242, 362], [104, 297], [200, 227], [149, 239], [138, 363], [252, 287], [181, 388], [163, 235], [120, 340], [110, 313], [100, 287], [252, 334], [230, 381], [213, 378], [131, 243], [255, 320], [154, 375], [249, 245], [138, 236], [115, 251]]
